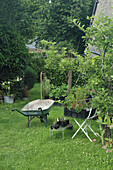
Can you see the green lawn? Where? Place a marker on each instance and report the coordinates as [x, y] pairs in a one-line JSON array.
[[23, 148]]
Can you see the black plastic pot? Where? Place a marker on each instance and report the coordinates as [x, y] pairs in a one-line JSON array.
[[63, 124], [67, 112], [66, 122], [83, 114]]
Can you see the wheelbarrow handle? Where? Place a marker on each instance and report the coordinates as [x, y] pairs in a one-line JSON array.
[[18, 111], [40, 108], [14, 109]]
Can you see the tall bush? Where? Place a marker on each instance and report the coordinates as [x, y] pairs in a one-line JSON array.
[[14, 54], [29, 77], [37, 63]]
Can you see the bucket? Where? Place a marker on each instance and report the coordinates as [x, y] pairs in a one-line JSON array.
[[8, 99]]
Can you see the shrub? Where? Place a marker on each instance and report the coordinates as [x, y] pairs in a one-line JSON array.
[[13, 54], [29, 78], [37, 63], [16, 89], [59, 92]]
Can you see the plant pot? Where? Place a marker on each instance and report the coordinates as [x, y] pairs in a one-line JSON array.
[[63, 124], [8, 99], [67, 112], [57, 104], [46, 97], [66, 122], [83, 114]]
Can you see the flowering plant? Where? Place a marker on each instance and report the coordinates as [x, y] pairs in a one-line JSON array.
[[6, 87]]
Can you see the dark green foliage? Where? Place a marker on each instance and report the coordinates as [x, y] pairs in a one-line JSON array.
[[29, 78], [58, 92], [18, 14], [60, 59], [14, 54], [56, 77], [55, 21], [16, 89], [37, 62], [98, 69]]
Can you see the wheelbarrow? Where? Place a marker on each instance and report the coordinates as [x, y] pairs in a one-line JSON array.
[[37, 108]]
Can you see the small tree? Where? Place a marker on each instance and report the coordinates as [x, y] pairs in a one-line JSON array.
[[99, 69], [60, 57]]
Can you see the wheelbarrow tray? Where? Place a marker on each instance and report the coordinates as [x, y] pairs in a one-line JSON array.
[[33, 108], [37, 108]]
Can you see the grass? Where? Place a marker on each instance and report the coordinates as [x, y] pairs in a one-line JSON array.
[[23, 148]]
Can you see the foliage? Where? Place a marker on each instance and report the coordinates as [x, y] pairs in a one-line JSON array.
[[29, 77], [56, 76], [60, 59], [37, 63], [12, 88], [18, 14], [6, 88], [61, 65], [46, 87], [58, 91], [17, 87], [55, 21], [14, 54], [79, 98], [99, 69], [106, 141]]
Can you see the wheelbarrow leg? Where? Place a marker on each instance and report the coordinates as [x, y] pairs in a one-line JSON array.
[[28, 122], [45, 120], [41, 119]]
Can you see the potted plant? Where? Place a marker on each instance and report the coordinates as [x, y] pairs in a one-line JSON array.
[[6, 88], [78, 102]]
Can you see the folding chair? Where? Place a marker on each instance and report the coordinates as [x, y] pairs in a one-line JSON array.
[[86, 124]]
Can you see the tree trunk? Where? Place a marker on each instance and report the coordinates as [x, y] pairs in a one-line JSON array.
[[69, 80]]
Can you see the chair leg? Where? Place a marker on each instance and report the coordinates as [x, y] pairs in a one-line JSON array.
[[86, 134], [80, 127], [92, 130]]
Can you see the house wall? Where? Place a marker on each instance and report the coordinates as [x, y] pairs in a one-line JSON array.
[[104, 6]]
